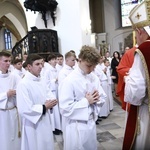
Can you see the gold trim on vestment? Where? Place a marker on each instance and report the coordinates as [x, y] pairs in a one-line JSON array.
[[147, 75]]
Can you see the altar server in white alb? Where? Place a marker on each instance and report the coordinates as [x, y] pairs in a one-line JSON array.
[[60, 60], [100, 72], [18, 69], [110, 96], [34, 104], [80, 100], [70, 59], [51, 79], [9, 119]]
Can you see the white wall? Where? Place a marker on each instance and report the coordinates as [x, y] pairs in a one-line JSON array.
[[71, 24], [85, 22], [68, 25]]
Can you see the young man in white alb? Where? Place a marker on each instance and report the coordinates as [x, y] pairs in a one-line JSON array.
[[34, 102], [9, 119], [80, 100]]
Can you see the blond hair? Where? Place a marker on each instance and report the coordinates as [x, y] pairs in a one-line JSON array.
[[89, 54], [69, 54]]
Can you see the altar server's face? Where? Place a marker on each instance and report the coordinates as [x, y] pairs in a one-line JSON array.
[[70, 61], [4, 63], [52, 62], [18, 65], [36, 67], [60, 60]]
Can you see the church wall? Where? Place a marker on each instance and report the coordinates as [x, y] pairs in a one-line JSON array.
[[72, 24], [14, 40], [115, 36], [69, 25], [2, 45], [85, 22]]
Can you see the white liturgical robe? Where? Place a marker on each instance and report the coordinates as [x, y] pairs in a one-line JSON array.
[[64, 72], [36, 128], [110, 96], [80, 117], [105, 110], [59, 67], [20, 73], [136, 94], [9, 139], [51, 79]]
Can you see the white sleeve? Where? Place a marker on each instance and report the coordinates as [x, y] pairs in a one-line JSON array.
[[102, 97], [3, 100], [71, 107], [135, 83], [26, 107], [61, 76]]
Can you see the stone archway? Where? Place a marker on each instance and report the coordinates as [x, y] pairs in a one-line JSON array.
[[13, 17]]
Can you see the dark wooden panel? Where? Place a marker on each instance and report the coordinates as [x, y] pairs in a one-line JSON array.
[[43, 41]]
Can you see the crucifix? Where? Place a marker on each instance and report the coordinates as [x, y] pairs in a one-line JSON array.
[[138, 16]]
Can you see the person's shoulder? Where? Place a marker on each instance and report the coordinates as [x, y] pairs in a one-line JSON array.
[[15, 75], [131, 50], [61, 71], [130, 53], [93, 74], [68, 80], [47, 71]]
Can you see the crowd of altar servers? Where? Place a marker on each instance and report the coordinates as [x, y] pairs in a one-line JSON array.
[[55, 70]]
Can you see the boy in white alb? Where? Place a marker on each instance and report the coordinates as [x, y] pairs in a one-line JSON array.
[[9, 119], [100, 71], [18, 69], [60, 60], [68, 66], [51, 79], [80, 99], [34, 102]]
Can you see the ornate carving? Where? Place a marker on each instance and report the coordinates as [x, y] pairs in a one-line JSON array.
[[104, 47], [42, 6], [40, 41]]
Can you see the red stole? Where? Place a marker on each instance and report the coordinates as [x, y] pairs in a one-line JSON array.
[[145, 49], [132, 120]]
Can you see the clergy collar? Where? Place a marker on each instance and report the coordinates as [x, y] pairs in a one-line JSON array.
[[4, 75], [52, 68], [68, 67], [17, 70], [81, 71], [32, 77]]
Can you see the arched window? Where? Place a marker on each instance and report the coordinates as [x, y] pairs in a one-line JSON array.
[[7, 38]]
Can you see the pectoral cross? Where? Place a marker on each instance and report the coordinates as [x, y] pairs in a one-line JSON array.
[[138, 16]]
